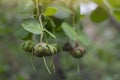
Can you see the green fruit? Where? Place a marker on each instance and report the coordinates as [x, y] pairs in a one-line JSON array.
[[43, 49], [28, 45], [55, 50], [76, 53], [38, 50], [52, 50], [24, 46]]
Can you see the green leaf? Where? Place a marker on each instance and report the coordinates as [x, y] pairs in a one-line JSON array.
[[31, 25], [83, 39], [52, 35], [28, 37], [62, 12], [114, 4], [116, 14], [69, 31], [19, 32], [25, 6], [82, 16], [51, 22], [99, 15], [99, 2], [50, 11]]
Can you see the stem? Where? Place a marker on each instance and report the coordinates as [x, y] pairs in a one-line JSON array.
[[53, 30], [67, 59], [46, 38], [39, 19], [78, 67], [37, 6], [42, 29], [31, 60], [52, 63], [54, 68], [46, 65]]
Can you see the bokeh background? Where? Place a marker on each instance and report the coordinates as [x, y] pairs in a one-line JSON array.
[[101, 62]]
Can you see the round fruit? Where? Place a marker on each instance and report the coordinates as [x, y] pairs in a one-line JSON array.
[[37, 50], [43, 49], [28, 45], [78, 52], [52, 50]]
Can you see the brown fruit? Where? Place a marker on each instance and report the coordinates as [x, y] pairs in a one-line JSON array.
[[67, 47]]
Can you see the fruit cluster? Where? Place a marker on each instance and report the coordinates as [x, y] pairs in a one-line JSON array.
[[43, 49], [76, 51], [40, 49]]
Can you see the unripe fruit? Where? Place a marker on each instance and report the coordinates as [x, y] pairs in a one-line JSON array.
[[28, 45], [78, 52], [55, 50], [43, 49], [37, 50], [52, 49]]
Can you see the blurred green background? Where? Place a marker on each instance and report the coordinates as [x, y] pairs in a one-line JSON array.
[[101, 62]]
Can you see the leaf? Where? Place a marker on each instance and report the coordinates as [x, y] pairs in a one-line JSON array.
[[99, 15], [62, 12], [52, 35], [99, 2], [116, 14], [50, 11], [83, 39], [25, 6], [19, 32], [114, 4], [31, 25], [69, 31], [51, 22], [82, 16], [28, 37]]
